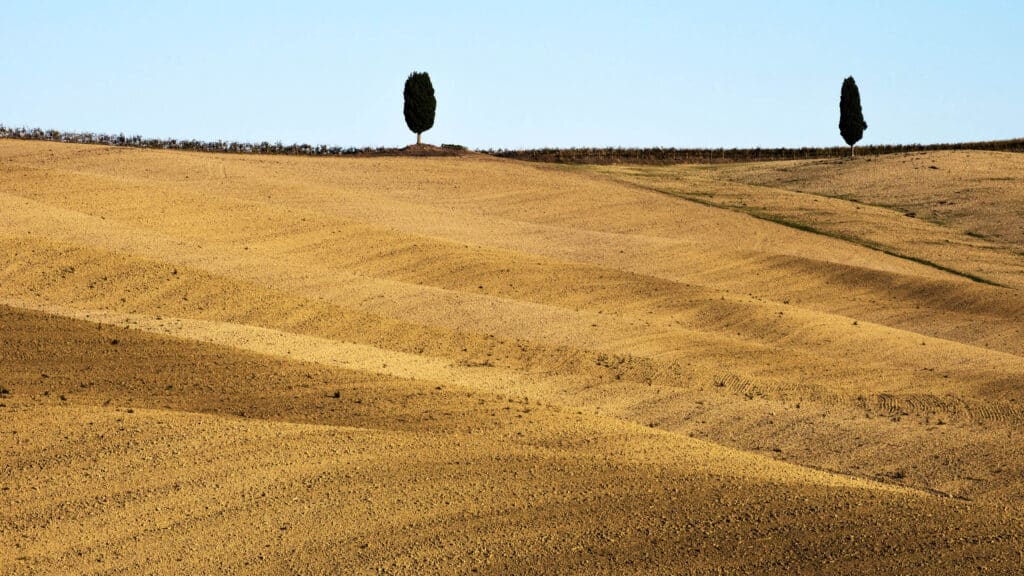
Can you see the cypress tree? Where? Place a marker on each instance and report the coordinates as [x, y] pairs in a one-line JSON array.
[[851, 118], [420, 103]]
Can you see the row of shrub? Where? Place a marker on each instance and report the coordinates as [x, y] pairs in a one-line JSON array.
[[726, 155], [194, 145], [552, 155]]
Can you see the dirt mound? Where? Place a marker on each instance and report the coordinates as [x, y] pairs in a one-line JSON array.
[[431, 150]]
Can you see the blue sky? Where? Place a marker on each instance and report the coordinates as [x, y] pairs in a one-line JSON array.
[[516, 74]]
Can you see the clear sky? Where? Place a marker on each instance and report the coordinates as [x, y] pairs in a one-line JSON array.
[[517, 74]]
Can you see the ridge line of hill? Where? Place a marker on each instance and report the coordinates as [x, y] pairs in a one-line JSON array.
[[607, 155]]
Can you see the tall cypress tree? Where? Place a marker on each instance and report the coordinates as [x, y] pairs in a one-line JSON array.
[[420, 103], [851, 118]]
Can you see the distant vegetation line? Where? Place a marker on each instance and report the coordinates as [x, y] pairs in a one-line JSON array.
[[200, 145], [550, 155], [728, 155]]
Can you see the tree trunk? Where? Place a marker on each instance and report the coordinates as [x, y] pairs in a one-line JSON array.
[[418, 140], [851, 151]]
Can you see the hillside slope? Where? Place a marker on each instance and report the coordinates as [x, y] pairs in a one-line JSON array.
[[536, 368]]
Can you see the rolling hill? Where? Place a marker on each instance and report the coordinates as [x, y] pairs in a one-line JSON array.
[[270, 364]]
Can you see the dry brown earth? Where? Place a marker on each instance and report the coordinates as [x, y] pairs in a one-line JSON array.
[[239, 364]]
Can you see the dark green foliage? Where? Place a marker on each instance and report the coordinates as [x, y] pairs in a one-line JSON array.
[[851, 118], [420, 103]]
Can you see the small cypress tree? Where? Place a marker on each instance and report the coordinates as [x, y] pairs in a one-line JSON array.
[[420, 103], [851, 118]]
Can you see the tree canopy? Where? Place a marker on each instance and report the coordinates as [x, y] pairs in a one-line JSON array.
[[420, 103], [851, 118]]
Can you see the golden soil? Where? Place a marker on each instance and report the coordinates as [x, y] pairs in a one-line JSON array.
[[274, 365]]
